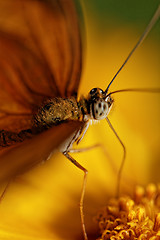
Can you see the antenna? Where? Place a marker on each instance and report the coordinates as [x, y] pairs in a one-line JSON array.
[[143, 36], [145, 90]]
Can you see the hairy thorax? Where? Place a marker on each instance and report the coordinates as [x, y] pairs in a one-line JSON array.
[[56, 111]]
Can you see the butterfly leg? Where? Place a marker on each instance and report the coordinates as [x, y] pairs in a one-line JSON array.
[[66, 154], [109, 158], [86, 148]]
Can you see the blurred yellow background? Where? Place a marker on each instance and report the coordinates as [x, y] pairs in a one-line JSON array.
[[43, 203]]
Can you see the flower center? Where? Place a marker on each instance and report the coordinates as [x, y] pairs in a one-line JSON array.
[[132, 218]]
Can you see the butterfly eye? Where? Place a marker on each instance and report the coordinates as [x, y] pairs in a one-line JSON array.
[[93, 91], [101, 91], [103, 94]]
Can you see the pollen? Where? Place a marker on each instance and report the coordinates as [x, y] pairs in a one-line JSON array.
[[131, 218]]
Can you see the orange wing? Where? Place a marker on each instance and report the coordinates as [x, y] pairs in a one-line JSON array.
[[23, 83], [18, 159], [40, 57]]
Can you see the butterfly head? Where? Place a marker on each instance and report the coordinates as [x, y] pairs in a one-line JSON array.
[[99, 104]]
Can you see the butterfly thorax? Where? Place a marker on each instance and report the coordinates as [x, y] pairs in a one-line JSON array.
[[55, 111]]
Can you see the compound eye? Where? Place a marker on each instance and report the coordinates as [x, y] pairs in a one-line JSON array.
[[102, 92], [93, 91], [100, 110]]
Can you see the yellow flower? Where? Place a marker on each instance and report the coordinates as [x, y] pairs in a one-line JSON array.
[[43, 203], [132, 218]]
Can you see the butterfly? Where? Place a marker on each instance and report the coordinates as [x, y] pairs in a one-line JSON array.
[[41, 63]]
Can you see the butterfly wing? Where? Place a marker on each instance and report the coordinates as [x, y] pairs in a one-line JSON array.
[[40, 57], [57, 37], [20, 72], [50, 29], [27, 154]]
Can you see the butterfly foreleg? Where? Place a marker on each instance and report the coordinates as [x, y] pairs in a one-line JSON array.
[[85, 171]]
